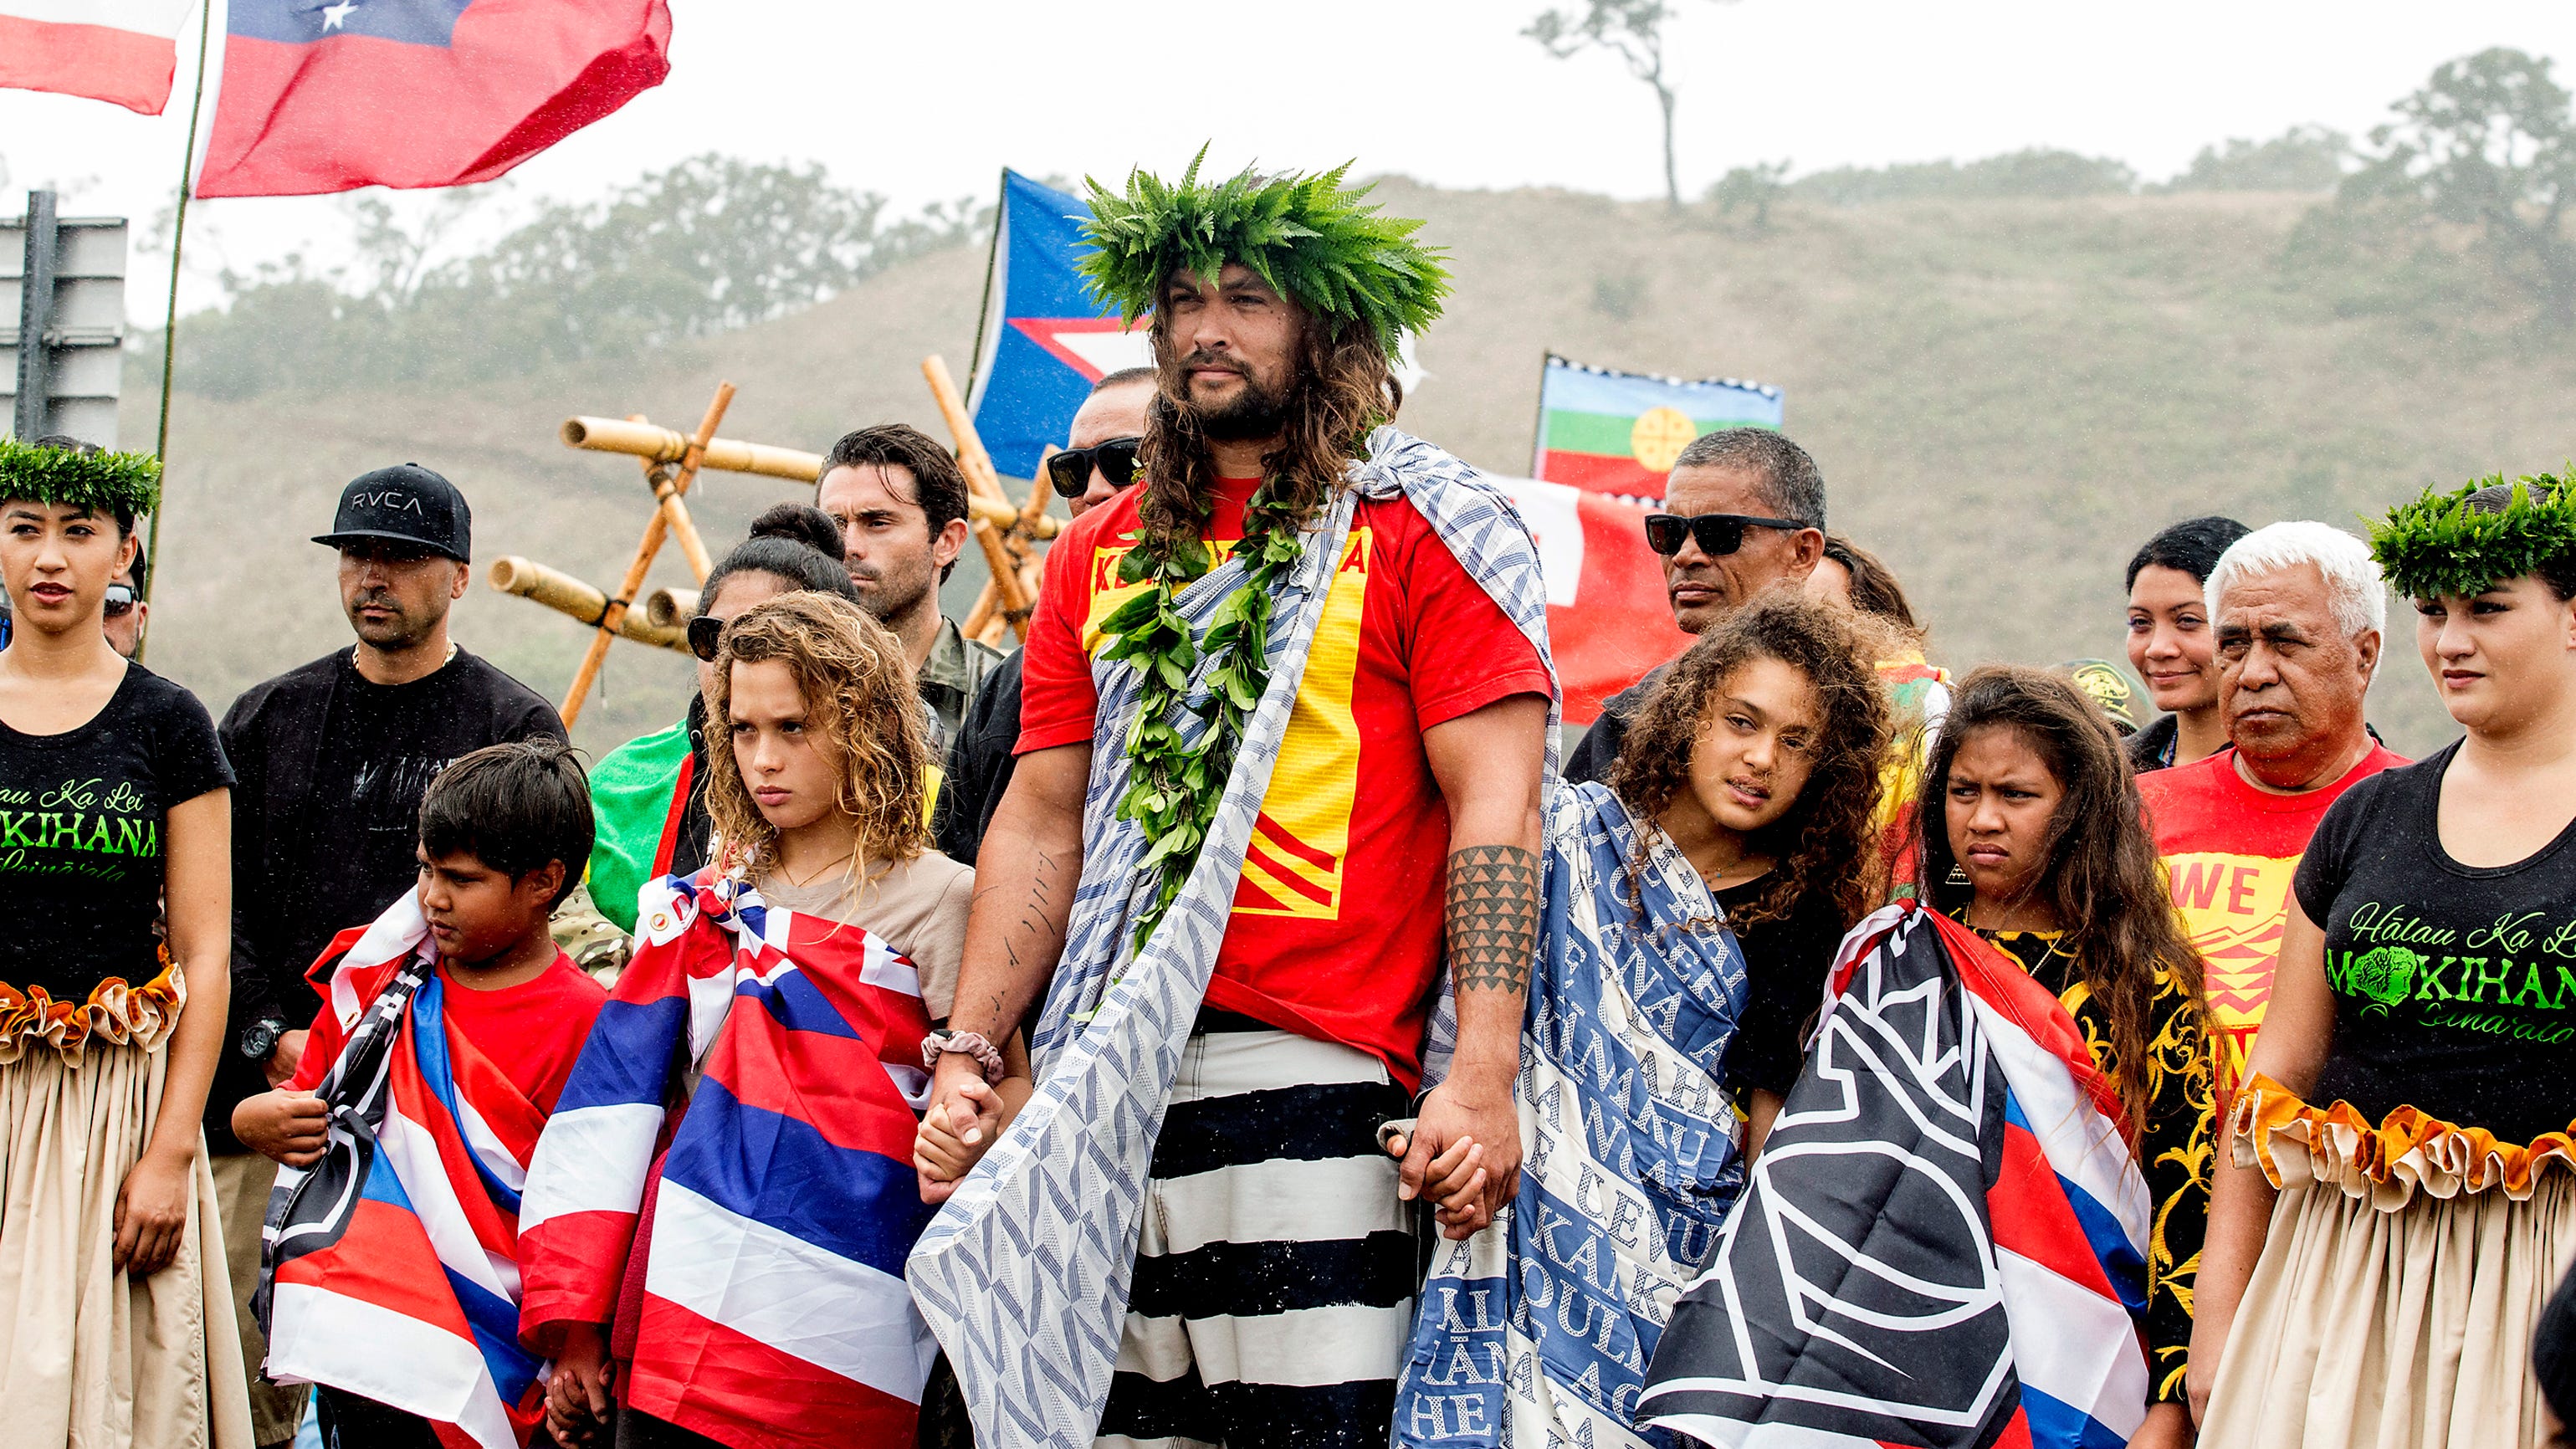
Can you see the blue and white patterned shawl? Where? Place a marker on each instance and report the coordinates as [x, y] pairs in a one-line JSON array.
[[1024, 1275], [1537, 1331]]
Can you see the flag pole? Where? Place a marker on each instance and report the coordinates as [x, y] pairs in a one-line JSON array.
[[170, 319]]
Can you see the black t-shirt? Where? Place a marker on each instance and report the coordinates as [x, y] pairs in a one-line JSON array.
[[82, 816], [979, 763], [326, 824], [1784, 971], [2454, 986], [1593, 754]]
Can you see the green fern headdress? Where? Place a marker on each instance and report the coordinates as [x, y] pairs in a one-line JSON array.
[[2438, 544], [123, 484], [1311, 238]]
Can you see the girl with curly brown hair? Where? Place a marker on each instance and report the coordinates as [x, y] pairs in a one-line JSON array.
[[2033, 837], [1757, 759], [1692, 907]]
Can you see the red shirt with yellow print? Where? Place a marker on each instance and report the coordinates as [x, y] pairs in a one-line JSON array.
[[2229, 851], [1337, 927]]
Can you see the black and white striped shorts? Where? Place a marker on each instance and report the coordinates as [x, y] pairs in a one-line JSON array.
[[1276, 1270]]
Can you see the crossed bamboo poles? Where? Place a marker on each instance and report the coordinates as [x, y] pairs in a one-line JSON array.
[[1010, 534]]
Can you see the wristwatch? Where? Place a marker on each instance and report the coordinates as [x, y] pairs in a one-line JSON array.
[[259, 1039]]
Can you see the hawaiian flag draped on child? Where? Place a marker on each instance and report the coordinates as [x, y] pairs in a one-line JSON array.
[[1944, 1241], [773, 1307], [378, 1275]]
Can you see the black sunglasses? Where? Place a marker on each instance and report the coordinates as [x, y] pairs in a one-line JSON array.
[[704, 633], [120, 601], [1070, 470], [1719, 534]]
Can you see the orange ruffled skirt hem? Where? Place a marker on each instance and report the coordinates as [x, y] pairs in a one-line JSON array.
[[123, 1015], [2405, 1267]]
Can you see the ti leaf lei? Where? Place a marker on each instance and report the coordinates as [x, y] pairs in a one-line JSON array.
[[1173, 790]]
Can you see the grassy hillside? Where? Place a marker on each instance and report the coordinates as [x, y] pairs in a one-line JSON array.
[[2006, 397]]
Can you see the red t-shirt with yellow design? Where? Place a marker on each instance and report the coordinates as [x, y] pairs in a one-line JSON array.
[[2229, 852], [1337, 929]]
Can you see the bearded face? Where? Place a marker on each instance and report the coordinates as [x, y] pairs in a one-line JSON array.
[[1235, 346]]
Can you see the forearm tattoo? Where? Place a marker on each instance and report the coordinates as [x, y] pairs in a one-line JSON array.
[[1492, 917]]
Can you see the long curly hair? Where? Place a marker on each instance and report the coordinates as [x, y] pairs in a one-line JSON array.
[[1342, 389], [860, 710], [2116, 915], [1824, 843]]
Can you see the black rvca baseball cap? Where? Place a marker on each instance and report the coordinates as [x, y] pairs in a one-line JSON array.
[[404, 504]]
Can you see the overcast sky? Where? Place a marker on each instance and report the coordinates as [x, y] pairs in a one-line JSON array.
[[927, 101]]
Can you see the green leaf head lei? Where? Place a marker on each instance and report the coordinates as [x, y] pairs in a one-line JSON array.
[[1311, 238], [1318, 243], [121, 485], [2442, 543]]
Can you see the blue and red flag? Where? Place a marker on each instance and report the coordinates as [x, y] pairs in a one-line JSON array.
[[389, 1268], [772, 1211], [1944, 1242], [1045, 338], [332, 95]]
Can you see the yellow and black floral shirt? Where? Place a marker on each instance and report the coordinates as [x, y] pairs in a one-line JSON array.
[[2178, 1150]]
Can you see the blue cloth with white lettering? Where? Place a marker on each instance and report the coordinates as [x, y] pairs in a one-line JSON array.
[[1538, 1330]]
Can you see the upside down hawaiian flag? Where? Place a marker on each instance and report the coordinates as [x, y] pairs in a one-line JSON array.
[[771, 1307], [1607, 616], [1944, 1242], [389, 1268], [1617, 433], [332, 95], [1045, 338], [109, 50]]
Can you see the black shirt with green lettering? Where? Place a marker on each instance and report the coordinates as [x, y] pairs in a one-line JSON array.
[[2454, 986], [83, 816]]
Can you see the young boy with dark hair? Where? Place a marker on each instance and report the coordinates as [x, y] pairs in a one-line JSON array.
[[447, 1031]]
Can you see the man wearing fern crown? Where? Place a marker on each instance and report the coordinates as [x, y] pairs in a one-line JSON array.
[[1298, 674]]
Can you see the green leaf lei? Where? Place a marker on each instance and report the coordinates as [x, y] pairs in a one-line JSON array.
[[1173, 790], [105, 482], [2439, 545]]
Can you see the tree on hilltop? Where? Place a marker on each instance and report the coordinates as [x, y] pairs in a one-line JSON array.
[[2488, 141], [1633, 30]]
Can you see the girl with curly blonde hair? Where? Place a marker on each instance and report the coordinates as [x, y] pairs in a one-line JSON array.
[[831, 934]]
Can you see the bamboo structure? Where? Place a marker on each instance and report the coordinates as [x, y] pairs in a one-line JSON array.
[[667, 491], [565, 594], [668, 608], [1005, 538], [657, 444]]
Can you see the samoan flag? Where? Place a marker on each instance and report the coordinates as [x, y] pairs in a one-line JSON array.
[[773, 1305], [1945, 1239], [1045, 338], [332, 95], [389, 1268]]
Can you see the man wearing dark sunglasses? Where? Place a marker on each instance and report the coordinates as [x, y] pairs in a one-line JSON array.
[[1101, 447], [1744, 511], [126, 611]]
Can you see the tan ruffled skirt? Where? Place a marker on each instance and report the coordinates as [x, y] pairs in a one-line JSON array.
[[91, 1358], [2394, 1302]]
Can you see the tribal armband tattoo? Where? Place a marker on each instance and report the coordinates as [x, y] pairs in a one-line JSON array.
[[1492, 917]]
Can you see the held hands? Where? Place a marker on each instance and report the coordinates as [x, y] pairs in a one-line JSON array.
[[964, 1119], [1464, 1155], [577, 1395], [152, 1212], [286, 1127]]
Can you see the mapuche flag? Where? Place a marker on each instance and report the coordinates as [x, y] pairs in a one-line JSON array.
[[1617, 433], [332, 95], [108, 50]]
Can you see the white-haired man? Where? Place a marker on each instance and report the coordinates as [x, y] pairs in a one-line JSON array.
[[2300, 615]]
